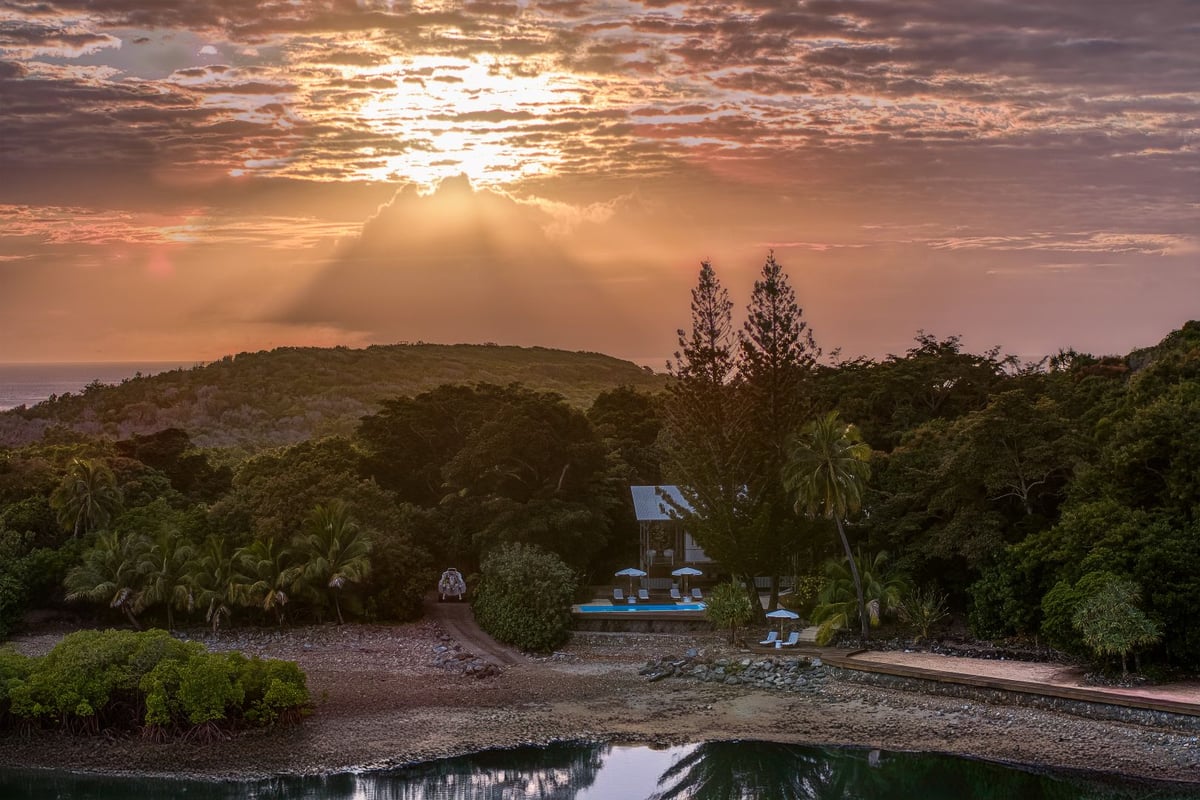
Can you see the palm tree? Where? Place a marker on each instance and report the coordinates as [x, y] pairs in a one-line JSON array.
[[87, 498], [265, 575], [836, 604], [167, 568], [827, 470], [213, 581], [110, 573], [334, 549]]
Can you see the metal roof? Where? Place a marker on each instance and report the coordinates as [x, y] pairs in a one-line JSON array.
[[649, 505]]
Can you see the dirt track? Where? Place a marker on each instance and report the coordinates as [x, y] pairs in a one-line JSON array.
[[458, 621]]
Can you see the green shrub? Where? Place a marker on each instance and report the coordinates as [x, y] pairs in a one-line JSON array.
[[207, 688], [401, 574], [803, 597], [13, 598], [275, 691], [1001, 603], [14, 670], [14, 577], [922, 609], [112, 679], [201, 688], [1110, 622], [728, 606], [524, 597], [1059, 607], [87, 671]]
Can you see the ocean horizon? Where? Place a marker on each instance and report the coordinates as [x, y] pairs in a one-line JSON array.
[[28, 384]]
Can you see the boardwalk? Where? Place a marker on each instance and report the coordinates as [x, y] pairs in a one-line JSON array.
[[1051, 680]]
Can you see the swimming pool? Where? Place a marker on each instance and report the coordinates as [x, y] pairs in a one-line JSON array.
[[595, 609]]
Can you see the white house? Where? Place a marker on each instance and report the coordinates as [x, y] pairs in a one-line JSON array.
[[664, 540]]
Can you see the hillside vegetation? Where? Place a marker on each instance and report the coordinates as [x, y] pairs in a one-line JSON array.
[[1057, 502], [289, 395]]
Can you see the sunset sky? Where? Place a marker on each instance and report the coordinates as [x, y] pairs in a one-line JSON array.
[[181, 179]]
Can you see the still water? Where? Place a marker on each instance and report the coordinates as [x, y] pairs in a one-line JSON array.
[[711, 771]]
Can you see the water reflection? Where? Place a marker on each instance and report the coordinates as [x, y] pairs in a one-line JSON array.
[[746, 771], [537, 773], [733, 771], [710, 771]]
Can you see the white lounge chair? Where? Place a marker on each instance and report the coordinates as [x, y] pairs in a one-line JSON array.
[[697, 594], [791, 640], [675, 594], [772, 638], [643, 595], [618, 595]]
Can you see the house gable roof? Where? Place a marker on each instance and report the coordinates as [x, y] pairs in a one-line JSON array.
[[649, 505]]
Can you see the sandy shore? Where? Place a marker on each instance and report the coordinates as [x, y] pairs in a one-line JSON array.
[[381, 699]]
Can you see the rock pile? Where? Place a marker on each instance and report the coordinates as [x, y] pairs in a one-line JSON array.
[[448, 655], [785, 674]]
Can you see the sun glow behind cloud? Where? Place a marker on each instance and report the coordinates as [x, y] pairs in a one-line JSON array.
[[466, 116]]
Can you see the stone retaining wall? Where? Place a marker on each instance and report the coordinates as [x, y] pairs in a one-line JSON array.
[[1079, 708], [630, 622], [784, 674], [809, 675]]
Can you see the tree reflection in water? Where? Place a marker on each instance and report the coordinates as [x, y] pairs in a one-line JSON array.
[[557, 772], [752, 770], [710, 771]]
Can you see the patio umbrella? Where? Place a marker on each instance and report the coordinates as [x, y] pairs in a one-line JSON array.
[[781, 614], [685, 572], [631, 573]]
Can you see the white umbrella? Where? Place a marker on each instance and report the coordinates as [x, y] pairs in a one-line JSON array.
[[631, 573], [685, 572], [781, 614]]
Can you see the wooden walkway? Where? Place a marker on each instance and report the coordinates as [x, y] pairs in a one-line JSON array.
[[1034, 678]]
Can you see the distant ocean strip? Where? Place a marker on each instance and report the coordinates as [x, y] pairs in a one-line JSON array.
[[29, 384]]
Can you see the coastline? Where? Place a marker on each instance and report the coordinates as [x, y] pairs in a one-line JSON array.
[[382, 700]]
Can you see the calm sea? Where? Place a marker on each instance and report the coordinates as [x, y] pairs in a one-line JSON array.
[[27, 384]]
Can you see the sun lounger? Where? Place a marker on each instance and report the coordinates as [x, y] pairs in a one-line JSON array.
[[697, 595], [618, 596], [675, 594], [643, 595], [791, 640], [772, 638]]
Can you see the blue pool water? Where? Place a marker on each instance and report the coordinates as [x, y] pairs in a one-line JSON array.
[[593, 609]]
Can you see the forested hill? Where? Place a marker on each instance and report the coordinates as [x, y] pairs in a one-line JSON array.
[[282, 396]]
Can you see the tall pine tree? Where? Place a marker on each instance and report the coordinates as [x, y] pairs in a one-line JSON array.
[[777, 355], [705, 431]]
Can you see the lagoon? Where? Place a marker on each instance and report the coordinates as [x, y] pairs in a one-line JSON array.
[[710, 771]]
